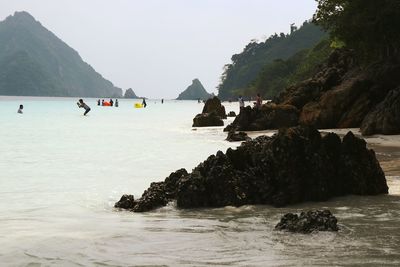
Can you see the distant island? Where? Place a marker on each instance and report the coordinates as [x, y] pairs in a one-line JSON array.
[[129, 93], [35, 62], [194, 91]]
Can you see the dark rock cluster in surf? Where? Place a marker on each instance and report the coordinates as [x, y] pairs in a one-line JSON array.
[[295, 165], [308, 222]]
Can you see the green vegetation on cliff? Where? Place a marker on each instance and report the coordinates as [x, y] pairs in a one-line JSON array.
[[34, 62], [370, 27], [278, 75], [246, 66], [194, 91]]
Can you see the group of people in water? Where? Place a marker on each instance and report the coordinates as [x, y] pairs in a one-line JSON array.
[[109, 103]]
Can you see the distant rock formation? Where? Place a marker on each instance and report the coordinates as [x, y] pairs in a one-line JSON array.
[[308, 222], [35, 62], [129, 93], [194, 92], [295, 165]]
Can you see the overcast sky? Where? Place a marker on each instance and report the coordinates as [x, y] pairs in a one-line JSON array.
[[157, 47]]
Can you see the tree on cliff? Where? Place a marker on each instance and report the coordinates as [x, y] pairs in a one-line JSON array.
[[370, 27]]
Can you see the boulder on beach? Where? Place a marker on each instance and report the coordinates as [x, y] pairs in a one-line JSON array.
[[214, 105], [308, 222], [237, 137], [207, 120], [293, 166], [212, 115], [231, 114], [269, 116]]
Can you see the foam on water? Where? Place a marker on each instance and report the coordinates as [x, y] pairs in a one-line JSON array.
[[61, 172]]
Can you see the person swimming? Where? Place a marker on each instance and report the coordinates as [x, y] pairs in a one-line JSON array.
[[21, 107], [82, 104]]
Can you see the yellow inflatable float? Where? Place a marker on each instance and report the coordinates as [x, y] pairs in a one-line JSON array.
[[138, 105]]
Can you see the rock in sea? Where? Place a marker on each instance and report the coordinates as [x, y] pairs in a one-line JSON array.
[[237, 137], [308, 222], [293, 166]]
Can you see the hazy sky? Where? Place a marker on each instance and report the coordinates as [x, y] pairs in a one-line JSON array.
[[157, 47]]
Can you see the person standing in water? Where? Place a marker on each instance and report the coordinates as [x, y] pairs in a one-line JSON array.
[[258, 101], [21, 107], [144, 102], [111, 102], [98, 102], [241, 102], [82, 104], [116, 102]]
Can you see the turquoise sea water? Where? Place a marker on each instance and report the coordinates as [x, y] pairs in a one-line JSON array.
[[61, 173]]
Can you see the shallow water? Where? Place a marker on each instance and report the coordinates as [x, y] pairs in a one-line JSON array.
[[60, 174]]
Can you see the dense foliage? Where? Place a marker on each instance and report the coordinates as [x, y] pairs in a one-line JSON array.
[[246, 66], [280, 74], [370, 27], [33, 61]]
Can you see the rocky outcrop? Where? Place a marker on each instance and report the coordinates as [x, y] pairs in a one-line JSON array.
[[129, 93], [207, 120], [231, 114], [237, 137], [308, 222], [212, 115], [341, 95], [194, 92], [157, 195], [270, 116], [214, 105], [295, 165], [385, 118]]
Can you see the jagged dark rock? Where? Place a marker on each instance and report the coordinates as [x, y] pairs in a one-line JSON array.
[[207, 120], [270, 116], [157, 195], [308, 222], [295, 165], [214, 105], [126, 202], [231, 114], [212, 115], [237, 137]]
